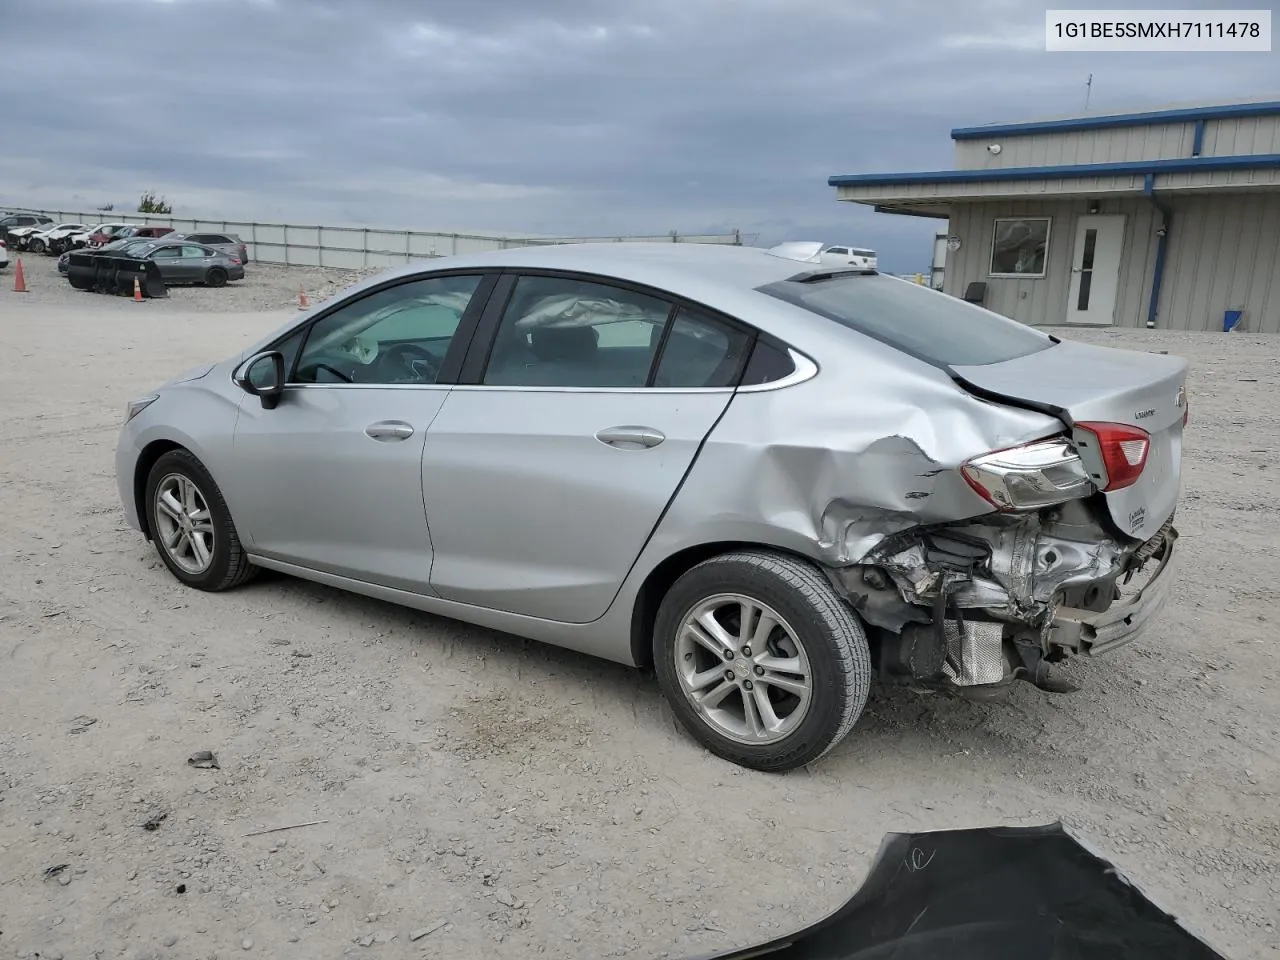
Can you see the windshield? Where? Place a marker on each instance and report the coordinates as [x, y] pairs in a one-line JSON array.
[[932, 326]]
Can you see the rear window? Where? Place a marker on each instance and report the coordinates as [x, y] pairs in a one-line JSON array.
[[932, 326]]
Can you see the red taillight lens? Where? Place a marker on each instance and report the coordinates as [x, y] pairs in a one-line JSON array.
[[1123, 450]]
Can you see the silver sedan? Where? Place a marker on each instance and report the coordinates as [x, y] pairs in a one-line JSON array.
[[769, 478]]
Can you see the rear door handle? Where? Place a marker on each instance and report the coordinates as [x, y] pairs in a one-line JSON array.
[[388, 430], [630, 437]]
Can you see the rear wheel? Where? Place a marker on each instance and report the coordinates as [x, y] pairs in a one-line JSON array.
[[761, 660], [191, 525], [216, 277], [36, 246]]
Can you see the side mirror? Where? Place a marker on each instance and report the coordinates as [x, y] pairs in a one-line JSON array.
[[262, 376]]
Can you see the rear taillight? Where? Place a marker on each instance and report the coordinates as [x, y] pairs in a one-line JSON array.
[[1029, 477], [1121, 448]]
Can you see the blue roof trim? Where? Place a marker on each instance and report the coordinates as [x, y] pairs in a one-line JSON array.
[[1230, 111], [1074, 171]]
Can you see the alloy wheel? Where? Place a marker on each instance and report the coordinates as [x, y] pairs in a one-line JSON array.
[[183, 523], [743, 668]]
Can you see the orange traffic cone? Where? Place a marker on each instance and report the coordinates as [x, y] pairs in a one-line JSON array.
[[137, 291], [19, 279], [303, 303]]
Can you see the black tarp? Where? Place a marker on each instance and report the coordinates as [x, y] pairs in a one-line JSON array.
[[1000, 893], [108, 273]]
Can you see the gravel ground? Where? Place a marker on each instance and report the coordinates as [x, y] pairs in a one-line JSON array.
[[512, 800], [265, 287]]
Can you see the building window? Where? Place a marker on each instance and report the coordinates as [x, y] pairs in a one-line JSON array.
[[1019, 247]]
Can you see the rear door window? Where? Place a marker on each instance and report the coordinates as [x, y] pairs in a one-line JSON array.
[[567, 332], [923, 323], [701, 351], [769, 363]]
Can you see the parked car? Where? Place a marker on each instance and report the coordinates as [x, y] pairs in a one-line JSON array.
[[73, 241], [152, 231], [852, 256], [4, 254], [766, 477], [50, 239], [15, 221], [104, 233], [183, 262], [64, 261], [228, 243], [19, 237]]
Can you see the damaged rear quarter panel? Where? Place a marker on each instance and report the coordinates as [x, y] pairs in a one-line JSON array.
[[827, 468]]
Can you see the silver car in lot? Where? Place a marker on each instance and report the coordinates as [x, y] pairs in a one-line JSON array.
[[771, 479], [182, 261]]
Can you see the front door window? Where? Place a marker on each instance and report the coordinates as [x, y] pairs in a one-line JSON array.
[[400, 334]]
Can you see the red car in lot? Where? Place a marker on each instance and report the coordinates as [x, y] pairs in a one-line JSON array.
[[119, 231]]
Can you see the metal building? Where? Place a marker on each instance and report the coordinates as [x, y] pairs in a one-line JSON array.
[[1168, 218]]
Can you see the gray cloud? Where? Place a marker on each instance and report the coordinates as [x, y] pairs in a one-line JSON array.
[[561, 116]]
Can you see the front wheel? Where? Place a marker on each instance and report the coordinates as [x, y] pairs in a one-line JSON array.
[[191, 525], [761, 660], [36, 246]]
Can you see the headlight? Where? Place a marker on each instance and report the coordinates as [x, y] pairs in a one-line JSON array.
[[135, 407]]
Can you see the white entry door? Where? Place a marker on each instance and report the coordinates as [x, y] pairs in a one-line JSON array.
[[1095, 269]]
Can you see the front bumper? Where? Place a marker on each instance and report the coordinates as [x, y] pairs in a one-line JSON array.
[[1093, 633], [128, 450]]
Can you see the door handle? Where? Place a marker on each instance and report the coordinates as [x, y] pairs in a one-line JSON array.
[[631, 437], [387, 430]]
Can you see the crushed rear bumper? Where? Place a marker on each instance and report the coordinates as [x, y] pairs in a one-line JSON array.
[[1093, 633]]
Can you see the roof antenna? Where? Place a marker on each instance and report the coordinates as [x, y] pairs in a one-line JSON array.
[[1088, 89]]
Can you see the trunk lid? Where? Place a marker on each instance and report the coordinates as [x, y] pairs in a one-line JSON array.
[[1080, 382]]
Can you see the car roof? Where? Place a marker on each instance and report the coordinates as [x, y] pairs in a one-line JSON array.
[[686, 269], [718, 276]]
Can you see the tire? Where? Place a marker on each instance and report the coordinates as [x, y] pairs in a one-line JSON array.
[[225, 565], [832, 653], [216, 277], [36, 246]]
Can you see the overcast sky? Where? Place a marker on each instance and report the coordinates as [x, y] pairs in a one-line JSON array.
[[543, 116]]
